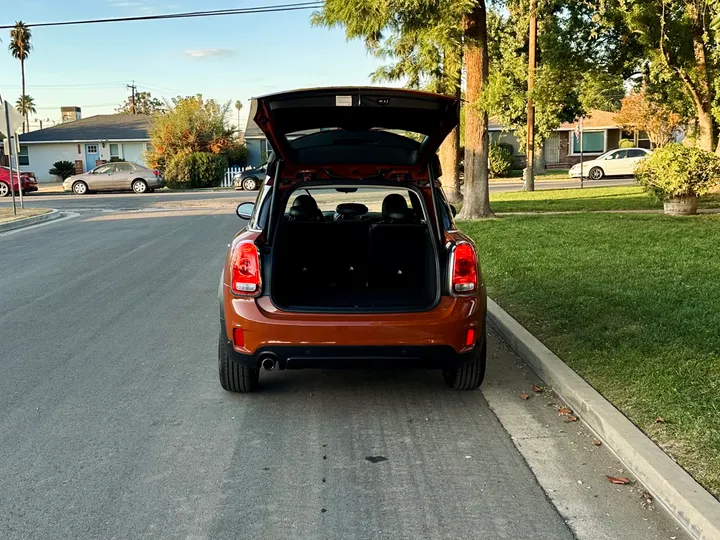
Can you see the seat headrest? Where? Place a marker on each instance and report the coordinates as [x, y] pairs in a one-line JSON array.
[[351, 210], [395, 208], [304, 206]]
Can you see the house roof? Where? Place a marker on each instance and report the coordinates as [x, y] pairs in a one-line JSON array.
[[596, 119], [103, 127]]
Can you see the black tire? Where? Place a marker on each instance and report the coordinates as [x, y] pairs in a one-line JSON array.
[[80, 188], [596, 173], [250, 183], [233, 376], [139, 186], [470, 374]]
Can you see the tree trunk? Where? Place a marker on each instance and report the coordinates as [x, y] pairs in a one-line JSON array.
[[702, 95], [449, 165], [26, 125], [477, 190]]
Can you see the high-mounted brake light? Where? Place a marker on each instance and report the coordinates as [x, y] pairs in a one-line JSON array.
[[463, 270], [246, 269]]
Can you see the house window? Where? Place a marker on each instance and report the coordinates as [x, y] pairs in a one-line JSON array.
[[265, 150], [643, 140], [115, 151], [593, 142], [23, 156], [92, 149]]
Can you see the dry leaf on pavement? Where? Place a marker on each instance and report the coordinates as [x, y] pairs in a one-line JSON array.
[[524, 396], [597, 442], [537, 389], [564, 410], [570, 418], [620, 480]]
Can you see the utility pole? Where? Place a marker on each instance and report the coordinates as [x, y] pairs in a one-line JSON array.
[[132, 87], [530, 143]]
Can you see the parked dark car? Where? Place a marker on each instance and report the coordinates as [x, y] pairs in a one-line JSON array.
[[27, 181], [350, 257], [250, 179]]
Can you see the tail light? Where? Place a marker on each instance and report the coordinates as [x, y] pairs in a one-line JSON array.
[[156, 172], [463, 270], [246, 270]]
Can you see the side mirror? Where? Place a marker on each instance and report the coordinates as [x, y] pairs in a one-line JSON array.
[[245, 210], [453, 210]]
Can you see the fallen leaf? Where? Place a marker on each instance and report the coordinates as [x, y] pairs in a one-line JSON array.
[[524, 396], [571, 418], [648, 498], [659, 420], [564, 410], [596, 442], [620, 480], [537, 389]]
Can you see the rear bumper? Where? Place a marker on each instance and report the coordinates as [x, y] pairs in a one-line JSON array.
[[432, 338], [354, 357]]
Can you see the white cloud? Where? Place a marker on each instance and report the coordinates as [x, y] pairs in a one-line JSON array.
[[209, 53]]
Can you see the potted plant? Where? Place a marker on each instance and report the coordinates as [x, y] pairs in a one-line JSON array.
[[678, 175], [63, 169]]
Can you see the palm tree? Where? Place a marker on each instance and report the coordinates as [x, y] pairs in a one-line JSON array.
[[20, 48], [238, 106], [26, 106]]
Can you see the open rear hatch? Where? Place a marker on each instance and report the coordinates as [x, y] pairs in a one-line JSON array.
[[358, 115]]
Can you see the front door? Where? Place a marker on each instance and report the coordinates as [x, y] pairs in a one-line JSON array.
[[552, 149], [92, 155], [102, 177]]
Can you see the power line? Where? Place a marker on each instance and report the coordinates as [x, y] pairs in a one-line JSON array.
[[214, 13]]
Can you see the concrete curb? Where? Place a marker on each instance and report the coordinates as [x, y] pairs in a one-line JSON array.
[[686, 500], [28, 221]]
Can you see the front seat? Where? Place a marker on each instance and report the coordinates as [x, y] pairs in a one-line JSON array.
[[395, 209], [305, 208]]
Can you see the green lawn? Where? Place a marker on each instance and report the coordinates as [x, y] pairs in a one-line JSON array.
[[582, 200], [631, 302]]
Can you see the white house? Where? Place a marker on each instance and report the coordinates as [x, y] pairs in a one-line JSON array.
[[87, 143]]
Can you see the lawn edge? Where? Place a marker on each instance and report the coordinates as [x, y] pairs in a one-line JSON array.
[[694, 508], [29, 221]]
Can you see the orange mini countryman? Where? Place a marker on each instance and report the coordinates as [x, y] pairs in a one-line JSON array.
[[350, 257]]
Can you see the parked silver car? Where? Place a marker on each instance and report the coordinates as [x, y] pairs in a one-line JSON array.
[[120, 176]]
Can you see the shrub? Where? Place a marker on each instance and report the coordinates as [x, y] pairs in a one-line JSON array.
[[626, 143], [679, 171], [236, 155], [63, 169], [500, 159], [195, 170], [116, 160]]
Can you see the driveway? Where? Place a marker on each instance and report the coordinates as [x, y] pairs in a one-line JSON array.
[[114, 425]]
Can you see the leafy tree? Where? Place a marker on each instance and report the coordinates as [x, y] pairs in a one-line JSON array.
[[63, 169], [144, 104], [25, 106], [191, 124], [426, 37], [678, 35], [638, 113], [20, 47]]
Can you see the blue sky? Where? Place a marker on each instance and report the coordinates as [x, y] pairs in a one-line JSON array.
[[226, 58]]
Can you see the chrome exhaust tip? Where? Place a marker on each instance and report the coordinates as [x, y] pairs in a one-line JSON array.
[[268, 363]]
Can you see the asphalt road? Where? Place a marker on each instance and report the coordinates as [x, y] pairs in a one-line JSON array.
[[127, 201], [113, 423]]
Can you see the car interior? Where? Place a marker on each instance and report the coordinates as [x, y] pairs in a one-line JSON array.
[[347, 257]]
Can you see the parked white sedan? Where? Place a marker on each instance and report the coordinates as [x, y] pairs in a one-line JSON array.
[[621, 162]]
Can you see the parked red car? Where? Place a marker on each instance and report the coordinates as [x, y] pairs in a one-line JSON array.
[[28, 181]]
